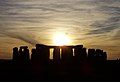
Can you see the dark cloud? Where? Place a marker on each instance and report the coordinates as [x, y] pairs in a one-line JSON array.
[[105, 26], [21, 36], [108, 1], [110, 10], [108, 24]]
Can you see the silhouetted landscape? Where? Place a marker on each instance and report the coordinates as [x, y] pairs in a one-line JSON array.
[[69, 63], [42, 40]]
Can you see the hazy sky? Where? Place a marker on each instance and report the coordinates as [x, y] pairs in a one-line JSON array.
[[93, 23]]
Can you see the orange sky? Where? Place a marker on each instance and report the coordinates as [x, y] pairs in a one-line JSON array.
[[93, 23]]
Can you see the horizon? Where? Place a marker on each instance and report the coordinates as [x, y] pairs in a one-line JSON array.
[[92, 23], [52, 47]]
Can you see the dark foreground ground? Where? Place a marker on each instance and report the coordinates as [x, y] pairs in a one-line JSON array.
[[34, 72]]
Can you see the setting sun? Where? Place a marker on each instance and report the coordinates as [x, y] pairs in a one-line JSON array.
[[61, 39]]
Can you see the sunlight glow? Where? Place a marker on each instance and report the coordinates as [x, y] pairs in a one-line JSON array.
[[61, 39]]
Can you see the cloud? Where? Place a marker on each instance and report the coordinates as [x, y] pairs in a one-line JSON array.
[[116, 35], [21, 36], [112, 22], [110, 10], [83, 19], [105, 26]]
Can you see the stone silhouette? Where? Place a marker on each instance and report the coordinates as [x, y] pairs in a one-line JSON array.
[[61, 54], [68, 63]]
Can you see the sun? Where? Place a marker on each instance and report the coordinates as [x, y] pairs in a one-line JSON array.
[[61, 39]]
